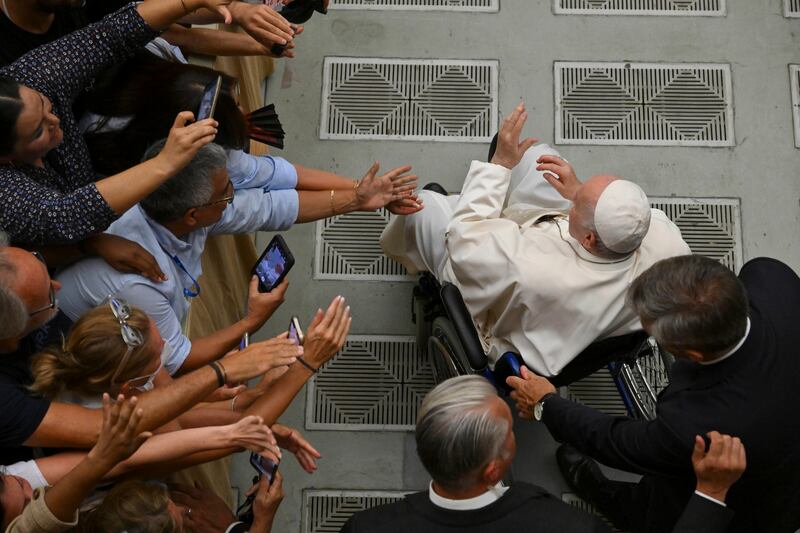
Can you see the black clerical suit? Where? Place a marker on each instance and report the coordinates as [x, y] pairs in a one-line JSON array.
[[523, 508], [704, 516], [753, 394]]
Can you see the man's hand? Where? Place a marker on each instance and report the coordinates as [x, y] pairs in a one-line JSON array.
[[509, 148], [125, 255], [203, 511], [560, 175], [261, 305], [263, 23], [292, 440], [375, 191], [261, 357], [721, 466], [119, 437], [327, 333], [528, 391], [265, 505]]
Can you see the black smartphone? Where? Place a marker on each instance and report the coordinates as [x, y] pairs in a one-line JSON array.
[[208, 103], [295, 333], [264, 467], [273, 265]]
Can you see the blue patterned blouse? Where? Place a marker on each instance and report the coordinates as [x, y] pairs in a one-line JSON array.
[[60, 202]]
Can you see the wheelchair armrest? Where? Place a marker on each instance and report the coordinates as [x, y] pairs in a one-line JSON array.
[[465, 329]]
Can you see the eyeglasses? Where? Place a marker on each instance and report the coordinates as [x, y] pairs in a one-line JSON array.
[[53, 302], [228, 198], [132, 337]]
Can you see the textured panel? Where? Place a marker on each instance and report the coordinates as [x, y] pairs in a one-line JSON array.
[[348, 247], [409, 99], [576, 501], [375, 383], [791, 8], [710, 226], [794, 76], [484, 6], [598, 391], [697, 8], [326, 511], [643, 104]]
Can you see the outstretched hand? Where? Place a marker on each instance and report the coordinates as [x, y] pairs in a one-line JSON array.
[[375, 191], [119, 436], [721, 466], [327, 332], [509, 147], [528, 391], [560, 174], [292, 440]]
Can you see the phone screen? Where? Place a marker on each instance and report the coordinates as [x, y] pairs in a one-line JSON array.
[[295, 333], [264, 467], [209, 100], [271, 266]]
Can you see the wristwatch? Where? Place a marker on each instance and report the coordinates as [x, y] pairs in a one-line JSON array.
[[538, 409]]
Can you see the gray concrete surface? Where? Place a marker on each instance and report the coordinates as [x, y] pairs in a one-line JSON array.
[[527, 38]]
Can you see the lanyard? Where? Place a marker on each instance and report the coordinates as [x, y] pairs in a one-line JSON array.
[[194, 291]]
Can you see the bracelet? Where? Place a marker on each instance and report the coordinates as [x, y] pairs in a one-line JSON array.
[[333, 209], [186, 9], [220, 376], [302, 362], [224, 374]]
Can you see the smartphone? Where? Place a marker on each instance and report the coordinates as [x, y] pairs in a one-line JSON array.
[[273, 265], [295, 333], [208, 103], [264, 467]]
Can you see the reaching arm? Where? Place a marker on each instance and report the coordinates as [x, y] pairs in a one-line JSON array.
[[208, 42]]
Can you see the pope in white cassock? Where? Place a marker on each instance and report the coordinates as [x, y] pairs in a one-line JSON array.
[[546, 276]]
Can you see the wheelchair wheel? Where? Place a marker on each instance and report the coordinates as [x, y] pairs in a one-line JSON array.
[[444, 349], [644, 377]]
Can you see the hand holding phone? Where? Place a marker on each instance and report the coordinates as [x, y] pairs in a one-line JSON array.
[[295, 333], [273, 265], [264, 467], [208, 103]]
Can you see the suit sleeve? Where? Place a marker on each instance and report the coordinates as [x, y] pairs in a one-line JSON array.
[[643, 447], [703, 516]]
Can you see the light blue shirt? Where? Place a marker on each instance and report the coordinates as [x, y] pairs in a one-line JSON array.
[[88, 283]]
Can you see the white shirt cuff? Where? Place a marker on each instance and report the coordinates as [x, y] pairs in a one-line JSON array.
[[709, 498]]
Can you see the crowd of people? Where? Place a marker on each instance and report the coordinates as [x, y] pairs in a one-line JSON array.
[[111, 186]]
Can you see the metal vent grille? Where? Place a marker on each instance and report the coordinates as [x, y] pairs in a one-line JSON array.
[[697, 8], [710, 226], [479, 6], [409, 99], [326, 511], [643, 104], [791, 8], [375, 383], [598, 391], [794, 75], [575, 501], [348, 247]]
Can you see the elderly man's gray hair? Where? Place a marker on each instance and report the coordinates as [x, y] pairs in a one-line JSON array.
[[12, 309], [191, 187], [457, 433]]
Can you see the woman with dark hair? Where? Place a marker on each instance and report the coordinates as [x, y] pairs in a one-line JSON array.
[[48, 193], [127, 110]]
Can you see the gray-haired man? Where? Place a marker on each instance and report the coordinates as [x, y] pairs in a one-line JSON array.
[[466, 442]]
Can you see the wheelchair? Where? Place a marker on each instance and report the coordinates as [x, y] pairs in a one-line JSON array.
[[446, 332]]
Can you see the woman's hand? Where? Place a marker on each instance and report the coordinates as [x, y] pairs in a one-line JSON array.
[[251, 433], [327, 333], [405, 206], [184, 141], [119, 437], [220, 7], [292, 440], [375, 191], [263, 23], [125, 255], [261, 305]]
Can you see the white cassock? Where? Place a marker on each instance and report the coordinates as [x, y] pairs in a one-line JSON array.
[[530, 287]]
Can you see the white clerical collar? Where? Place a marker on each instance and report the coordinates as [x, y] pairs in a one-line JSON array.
[[733, 351], [478, 502]]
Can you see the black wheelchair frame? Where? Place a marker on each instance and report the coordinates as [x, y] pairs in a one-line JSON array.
[[446, 332]]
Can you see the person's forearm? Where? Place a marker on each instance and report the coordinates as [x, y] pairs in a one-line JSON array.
[[281, 393], [262, 524], [159, 14], [164, 468], [208, 42], [212, 347], [312, 179], [65, 496], [204, 416], [126, 189], [162, 405], [316, 205]]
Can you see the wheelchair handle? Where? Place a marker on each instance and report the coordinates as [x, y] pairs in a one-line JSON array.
[[457, 311]]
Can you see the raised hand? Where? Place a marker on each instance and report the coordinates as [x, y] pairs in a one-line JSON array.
[[119, 436], [261, 357], [264, 24], [184, 141], [560, 174], [327, 332], [509, 147], [125, 255], [261, 305], [721, 466], [292, 440], [375, 191], [251, 433]]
